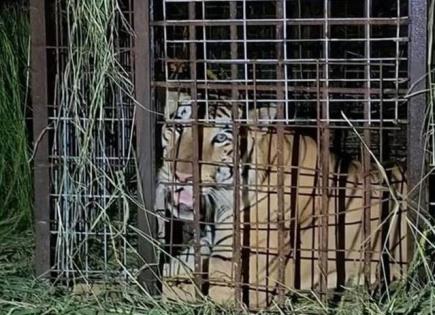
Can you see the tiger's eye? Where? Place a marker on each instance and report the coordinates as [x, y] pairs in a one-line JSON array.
[[219, 138]]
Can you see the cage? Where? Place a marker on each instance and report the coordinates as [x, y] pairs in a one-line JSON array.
[[260, 136], [332, 72]]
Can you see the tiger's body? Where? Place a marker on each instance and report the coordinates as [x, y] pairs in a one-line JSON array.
[[259, 206]]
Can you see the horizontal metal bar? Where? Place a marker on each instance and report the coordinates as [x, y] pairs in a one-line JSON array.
[[304, 21], [378, 61], [213, 81], [247, 101], [271, 40], [210, 85]]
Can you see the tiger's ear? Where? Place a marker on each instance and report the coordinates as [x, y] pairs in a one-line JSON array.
[[263, 115], [267, 113], [175, 100], [184, 111]]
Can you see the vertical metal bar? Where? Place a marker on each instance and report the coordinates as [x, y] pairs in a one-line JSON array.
[[285, 57], [245, 47], [204, 49], [397, 64], [417, 63], [257, 188], [318, 200], [324, 211], [326, 53], [280, 150], [196, 150], [145, 128], [237, 251], [299, 36], [382, 139], [234, 50], [40, 122], [384, 266], [324, 163], [365, 154]]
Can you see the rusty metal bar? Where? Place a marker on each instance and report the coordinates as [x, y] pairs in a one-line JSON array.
[[384, 273], [270, 88], [41, 165], [366, 156], [197, 149], [239, 277], [280, 153], [382, 151], [417, 63], [145, 135], [324, 212], [256, 190], [287, 126], [324, 157], [318, 201]]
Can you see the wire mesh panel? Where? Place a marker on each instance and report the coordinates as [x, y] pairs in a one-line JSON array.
[[277, 117], [90, 134]]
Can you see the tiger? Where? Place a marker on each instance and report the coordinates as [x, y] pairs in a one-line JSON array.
[[259, 205]]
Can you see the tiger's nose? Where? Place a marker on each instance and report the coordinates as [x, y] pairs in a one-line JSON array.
[[184, 178]]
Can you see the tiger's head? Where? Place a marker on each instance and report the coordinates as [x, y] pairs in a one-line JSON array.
[[215, 154]]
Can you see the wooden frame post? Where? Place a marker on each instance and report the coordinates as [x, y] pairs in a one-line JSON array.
[[145, 135], [41, 167]]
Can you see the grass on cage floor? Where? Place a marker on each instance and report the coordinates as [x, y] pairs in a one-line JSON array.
[[21, 293]]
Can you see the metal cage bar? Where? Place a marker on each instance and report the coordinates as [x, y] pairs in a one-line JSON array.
[[41, 179], [197, 153], [238, 259], [417, 67], [366, 159], [280, 148], [145, 142]]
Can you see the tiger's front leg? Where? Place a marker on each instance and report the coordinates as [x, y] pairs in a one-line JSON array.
[[221, 266], [178, 283]]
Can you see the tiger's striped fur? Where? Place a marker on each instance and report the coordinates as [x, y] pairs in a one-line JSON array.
[[302, 208]]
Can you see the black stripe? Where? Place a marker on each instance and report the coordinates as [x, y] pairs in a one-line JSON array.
[[294, 224], [205, 284], [223, 111], [224, 258], [223, 239], [246, 215], [164, 135]]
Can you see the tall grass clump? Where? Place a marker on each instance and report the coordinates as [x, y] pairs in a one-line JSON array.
[[15, 179], [95, 96]]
